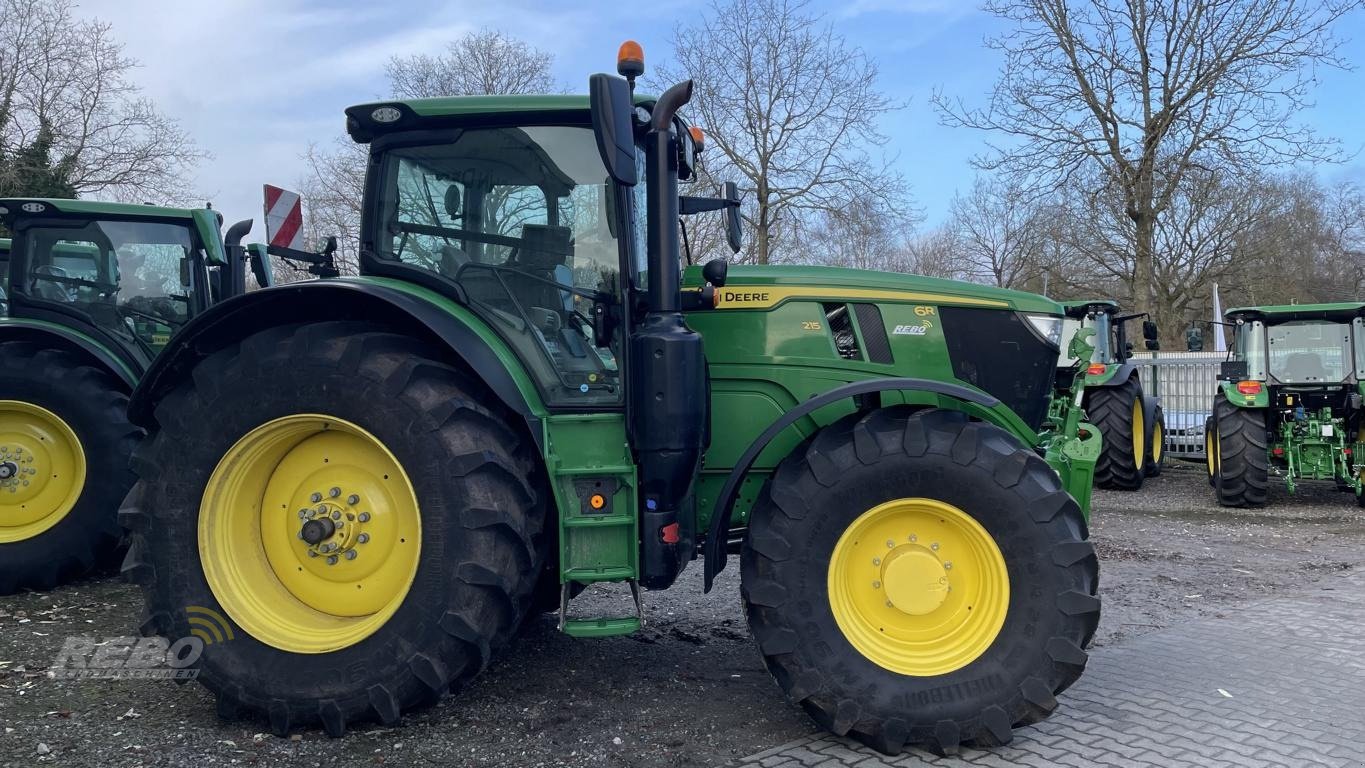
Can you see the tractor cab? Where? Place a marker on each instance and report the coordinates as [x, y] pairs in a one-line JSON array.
[[1294, 380], [126, 275], [1111, 343]]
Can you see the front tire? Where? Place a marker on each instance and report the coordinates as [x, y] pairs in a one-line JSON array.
[[1117, 412], [1242, 478], [1156, 444], [1013, 545], [65, 440], [444, 489]]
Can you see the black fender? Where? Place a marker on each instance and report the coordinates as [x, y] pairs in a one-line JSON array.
[[720, 517], [18, 329], [321, 300]]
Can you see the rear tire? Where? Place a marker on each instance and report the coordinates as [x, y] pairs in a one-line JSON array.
[[481, 515], [1242, 477], [1113, 410], [1156, 444], [93, 405], [799, 531]]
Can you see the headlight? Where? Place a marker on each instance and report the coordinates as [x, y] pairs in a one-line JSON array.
[[1047, 326]]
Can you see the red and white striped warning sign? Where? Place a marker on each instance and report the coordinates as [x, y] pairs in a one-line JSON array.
[[283, 217]]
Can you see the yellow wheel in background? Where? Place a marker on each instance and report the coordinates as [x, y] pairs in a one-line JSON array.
[[42, 470], [1211, 451], [1158, 441], [309, 533], [1139, 434], [918, 587]]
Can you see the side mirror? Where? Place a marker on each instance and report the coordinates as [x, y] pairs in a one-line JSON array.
[[1149, 331], [1151, 344], [714, 272], [452, 201], [734, 228], [612, 123]]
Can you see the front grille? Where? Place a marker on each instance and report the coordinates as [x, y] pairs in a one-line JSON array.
[[996, 351]]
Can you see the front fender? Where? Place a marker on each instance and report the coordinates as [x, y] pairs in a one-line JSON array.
[[403, 307], [720, 518]]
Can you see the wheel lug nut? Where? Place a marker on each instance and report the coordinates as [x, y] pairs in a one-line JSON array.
[[363, 538], [364, 517], [913, 538], [353, 499], [322, 510], [890, 544], [351, 554], [311, 553], [876, 561], [335, 492], [303, 514], [316, 497], [876, 585], [332, 560], [948, 566], [336, 515], [889, 605], [934, 546]]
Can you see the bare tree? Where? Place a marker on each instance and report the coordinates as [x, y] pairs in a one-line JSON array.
[[68, 80], [483, 62], [791, 109], [1146, 92], [480, 63], [860, 236], [997, 233], [935, 254]]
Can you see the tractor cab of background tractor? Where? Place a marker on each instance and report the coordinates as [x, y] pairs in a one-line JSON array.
[[1112, 346], [1290, 398], [129, 276]]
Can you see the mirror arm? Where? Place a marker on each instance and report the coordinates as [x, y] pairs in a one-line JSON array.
[[688, 205]]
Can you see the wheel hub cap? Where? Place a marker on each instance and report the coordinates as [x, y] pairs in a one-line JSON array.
[[915, 580]]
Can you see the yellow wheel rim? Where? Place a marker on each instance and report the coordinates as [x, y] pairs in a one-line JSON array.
[[1158, 442], [42, 470], [309, 533], [1139, 434], [1210, 449], [918, 587]]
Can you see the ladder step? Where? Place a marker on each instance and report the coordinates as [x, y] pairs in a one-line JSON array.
[[601, 627], [593, 575]]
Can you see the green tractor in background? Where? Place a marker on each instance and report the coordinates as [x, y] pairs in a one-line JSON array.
[[94, 291], [1289, 402], [523, 393], [1129, 420]]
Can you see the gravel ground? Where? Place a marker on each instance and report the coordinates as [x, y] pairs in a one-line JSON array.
[[689, 690]]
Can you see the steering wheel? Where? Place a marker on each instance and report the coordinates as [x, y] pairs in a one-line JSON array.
[[436, 230]]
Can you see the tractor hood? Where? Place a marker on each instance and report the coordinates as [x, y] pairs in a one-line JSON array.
[[764, 287]]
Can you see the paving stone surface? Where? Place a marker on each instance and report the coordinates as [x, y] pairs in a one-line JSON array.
[[1276, 683]]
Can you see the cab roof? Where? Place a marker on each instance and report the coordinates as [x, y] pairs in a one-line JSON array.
[[1080, 307], [11, 207], [438, 112], [1283, 313]]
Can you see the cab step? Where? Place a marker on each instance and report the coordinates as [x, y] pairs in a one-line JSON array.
[[606, 626]]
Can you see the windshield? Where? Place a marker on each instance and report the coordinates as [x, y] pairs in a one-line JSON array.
[[524, 220], [1101, 339], [1309, 352], [124, 275]]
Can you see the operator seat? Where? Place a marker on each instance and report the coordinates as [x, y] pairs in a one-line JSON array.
[[1305, 365]]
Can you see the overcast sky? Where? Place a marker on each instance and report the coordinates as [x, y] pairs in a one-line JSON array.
[[255, 81]]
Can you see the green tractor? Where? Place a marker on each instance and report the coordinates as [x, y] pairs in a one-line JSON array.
[[1289, 402], [524, 393], [94, 291], [1129, 420]]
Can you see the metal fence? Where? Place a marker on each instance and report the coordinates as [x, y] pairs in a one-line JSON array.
[[1185, 382]]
